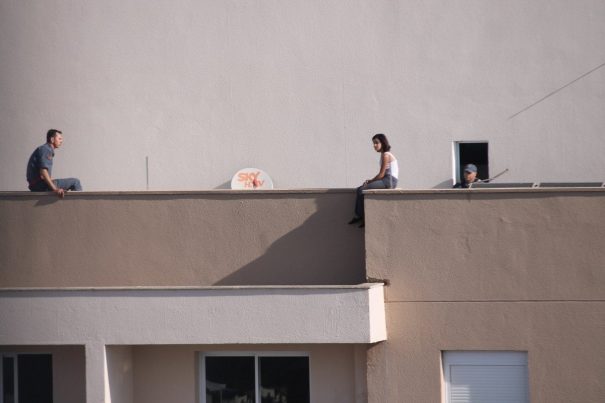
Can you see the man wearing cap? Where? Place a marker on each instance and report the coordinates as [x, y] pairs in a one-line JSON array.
[[470, 176], [40, 166]]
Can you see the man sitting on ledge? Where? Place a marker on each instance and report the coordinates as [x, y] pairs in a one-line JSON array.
[[40, 166]]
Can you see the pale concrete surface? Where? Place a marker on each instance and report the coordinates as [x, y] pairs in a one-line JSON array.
[[207, 316], [297, 88], [108, 322]]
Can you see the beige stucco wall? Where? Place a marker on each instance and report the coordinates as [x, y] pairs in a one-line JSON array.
[[68, 369], [189, 239], [564, 341], [459, 245], [170, 373], [467, 270], [204, 88], [486, 270]]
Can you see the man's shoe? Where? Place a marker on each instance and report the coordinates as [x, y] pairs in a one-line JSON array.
[[355, 220]]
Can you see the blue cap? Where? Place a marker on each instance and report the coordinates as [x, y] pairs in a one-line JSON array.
[[470, 168]]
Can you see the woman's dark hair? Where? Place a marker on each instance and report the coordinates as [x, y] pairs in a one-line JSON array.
[[383, 140], [52, 133]]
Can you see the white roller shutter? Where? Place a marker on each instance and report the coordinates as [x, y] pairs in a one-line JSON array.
[[486, 376]]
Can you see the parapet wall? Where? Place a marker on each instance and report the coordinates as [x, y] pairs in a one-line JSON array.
[[497, 244], [179, 239]]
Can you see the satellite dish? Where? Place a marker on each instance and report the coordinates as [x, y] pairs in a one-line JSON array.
[[251, 178]]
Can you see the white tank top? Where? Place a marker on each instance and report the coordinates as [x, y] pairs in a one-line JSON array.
[[392, 167]]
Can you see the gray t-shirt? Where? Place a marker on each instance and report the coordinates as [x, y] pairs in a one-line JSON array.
[[41, 158]]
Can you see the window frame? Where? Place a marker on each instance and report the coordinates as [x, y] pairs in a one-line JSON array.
[[456, 164], [15, 375], [245, 353], [480, 357], [15, 357]]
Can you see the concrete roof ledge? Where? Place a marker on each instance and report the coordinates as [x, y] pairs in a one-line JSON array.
[[207, 192], [194, 315], [484, 190], [197, 288], [308, 191]]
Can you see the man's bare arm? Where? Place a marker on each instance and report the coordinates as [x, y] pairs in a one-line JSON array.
[[46, 177]]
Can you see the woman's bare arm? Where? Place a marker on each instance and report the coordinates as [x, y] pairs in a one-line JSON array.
[[384, 161]]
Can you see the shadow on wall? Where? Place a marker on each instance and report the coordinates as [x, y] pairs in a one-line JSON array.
[[226, 185], [322, 250], [446, 184]]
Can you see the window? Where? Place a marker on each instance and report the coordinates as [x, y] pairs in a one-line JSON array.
[[255, 378], [471, 153], [485, 376], [26, 378]]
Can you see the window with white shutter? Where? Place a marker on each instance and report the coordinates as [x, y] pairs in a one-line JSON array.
[[485, 376]]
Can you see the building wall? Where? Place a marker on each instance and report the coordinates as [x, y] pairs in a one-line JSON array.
[[486, 270], [187, 239], [564, 341], [202, 89], [487, 245], [171, 373], [471, 269]]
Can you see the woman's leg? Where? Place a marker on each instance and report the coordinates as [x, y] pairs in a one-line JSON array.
[[359, 207], [380, 184], [359, 202]]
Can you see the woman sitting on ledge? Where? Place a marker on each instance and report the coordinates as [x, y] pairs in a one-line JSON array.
[[385, 179]]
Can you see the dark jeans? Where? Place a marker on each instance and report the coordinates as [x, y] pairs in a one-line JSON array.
[[388, 182], [65, 184]]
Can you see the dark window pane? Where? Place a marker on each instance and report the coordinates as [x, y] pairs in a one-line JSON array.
[[284, 379], [8, 379], [475, 153], [35, 378], [230, 380]]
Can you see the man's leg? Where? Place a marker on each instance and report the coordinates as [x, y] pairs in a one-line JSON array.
[[68, 183], [40, 186]]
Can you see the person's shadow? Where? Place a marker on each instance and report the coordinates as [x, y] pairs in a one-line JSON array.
[[322, 250]]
